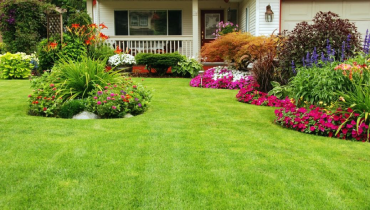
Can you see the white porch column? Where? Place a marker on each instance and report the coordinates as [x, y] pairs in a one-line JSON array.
[[89, 9], [195, 28]]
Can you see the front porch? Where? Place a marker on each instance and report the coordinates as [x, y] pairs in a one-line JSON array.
[[160, 26], [157, 45]]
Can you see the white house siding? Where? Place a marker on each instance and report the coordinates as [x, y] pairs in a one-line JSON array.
[[357, 11], [107, 8], [251, 5], [267, 28]]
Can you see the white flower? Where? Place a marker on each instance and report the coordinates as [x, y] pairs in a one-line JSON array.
[[120, 59]]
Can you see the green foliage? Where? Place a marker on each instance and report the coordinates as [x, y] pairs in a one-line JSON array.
[[81, 77], [187, 67], [100, 52], [280, 91], [2, 48], [71, 108], [117, 100], [318, 85], [160, 62], [73, 48], [47, 54], [305, 37], [23, 24], [81, 18], [15, 66]]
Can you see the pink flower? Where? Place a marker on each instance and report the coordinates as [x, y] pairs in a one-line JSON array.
[[52, 85], [95, 97], [112, 94], [108, 98], [113, 107], [98, 102]]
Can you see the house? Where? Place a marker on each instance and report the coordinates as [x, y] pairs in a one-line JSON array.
[[161, 26]]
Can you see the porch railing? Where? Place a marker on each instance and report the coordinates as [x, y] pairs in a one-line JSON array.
[[158, 45]]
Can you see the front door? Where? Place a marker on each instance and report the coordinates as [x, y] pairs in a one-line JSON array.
[[209, 20]]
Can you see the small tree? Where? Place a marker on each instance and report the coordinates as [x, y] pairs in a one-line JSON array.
[[23, 24], [160, 62], [327, 29]]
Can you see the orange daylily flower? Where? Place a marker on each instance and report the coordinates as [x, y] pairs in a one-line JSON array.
[[75, 26], [118, 51], [102, 26], [93, 26], [53, 45], [103, 36]]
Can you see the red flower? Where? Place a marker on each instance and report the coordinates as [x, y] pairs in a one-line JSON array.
[[118, 51], [44, 109], [103, 36], [102, 26], [108, 68], [87, 42], [93, 26], [76, 25], [53, 45]]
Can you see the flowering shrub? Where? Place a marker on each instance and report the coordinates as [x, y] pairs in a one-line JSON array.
[[318, 121], [18, 65], [121, 59], [249, 94], [114, 101], [221, 78], [45, 101], [225, 28]]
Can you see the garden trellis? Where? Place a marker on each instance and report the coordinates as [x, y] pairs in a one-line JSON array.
[[55, 23]]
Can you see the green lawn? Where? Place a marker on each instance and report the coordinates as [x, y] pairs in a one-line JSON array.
[[193, 149]]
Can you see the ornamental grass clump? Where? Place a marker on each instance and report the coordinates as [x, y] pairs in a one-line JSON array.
[[222, 78]]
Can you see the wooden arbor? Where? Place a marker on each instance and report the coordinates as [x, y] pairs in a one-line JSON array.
[[55, 23]]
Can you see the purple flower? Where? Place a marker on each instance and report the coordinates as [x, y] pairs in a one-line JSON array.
[[139, 105], [136, 99]]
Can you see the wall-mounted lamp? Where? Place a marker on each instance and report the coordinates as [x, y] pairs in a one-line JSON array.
[[269, 14]]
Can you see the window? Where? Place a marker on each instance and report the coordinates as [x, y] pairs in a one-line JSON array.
[[121, 22], [232, 16], [148, 22]]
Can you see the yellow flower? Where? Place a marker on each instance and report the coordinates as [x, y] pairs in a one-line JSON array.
[[320, 102], [342, 99]]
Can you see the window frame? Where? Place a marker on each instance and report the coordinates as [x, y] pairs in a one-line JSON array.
[[129, 23]]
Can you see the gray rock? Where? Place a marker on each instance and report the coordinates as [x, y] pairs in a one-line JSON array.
[[85, 116], [128, 115]]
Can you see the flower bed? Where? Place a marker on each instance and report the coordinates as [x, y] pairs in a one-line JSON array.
[[318, 121], [250, 95], [221, 78], [315, 120]]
